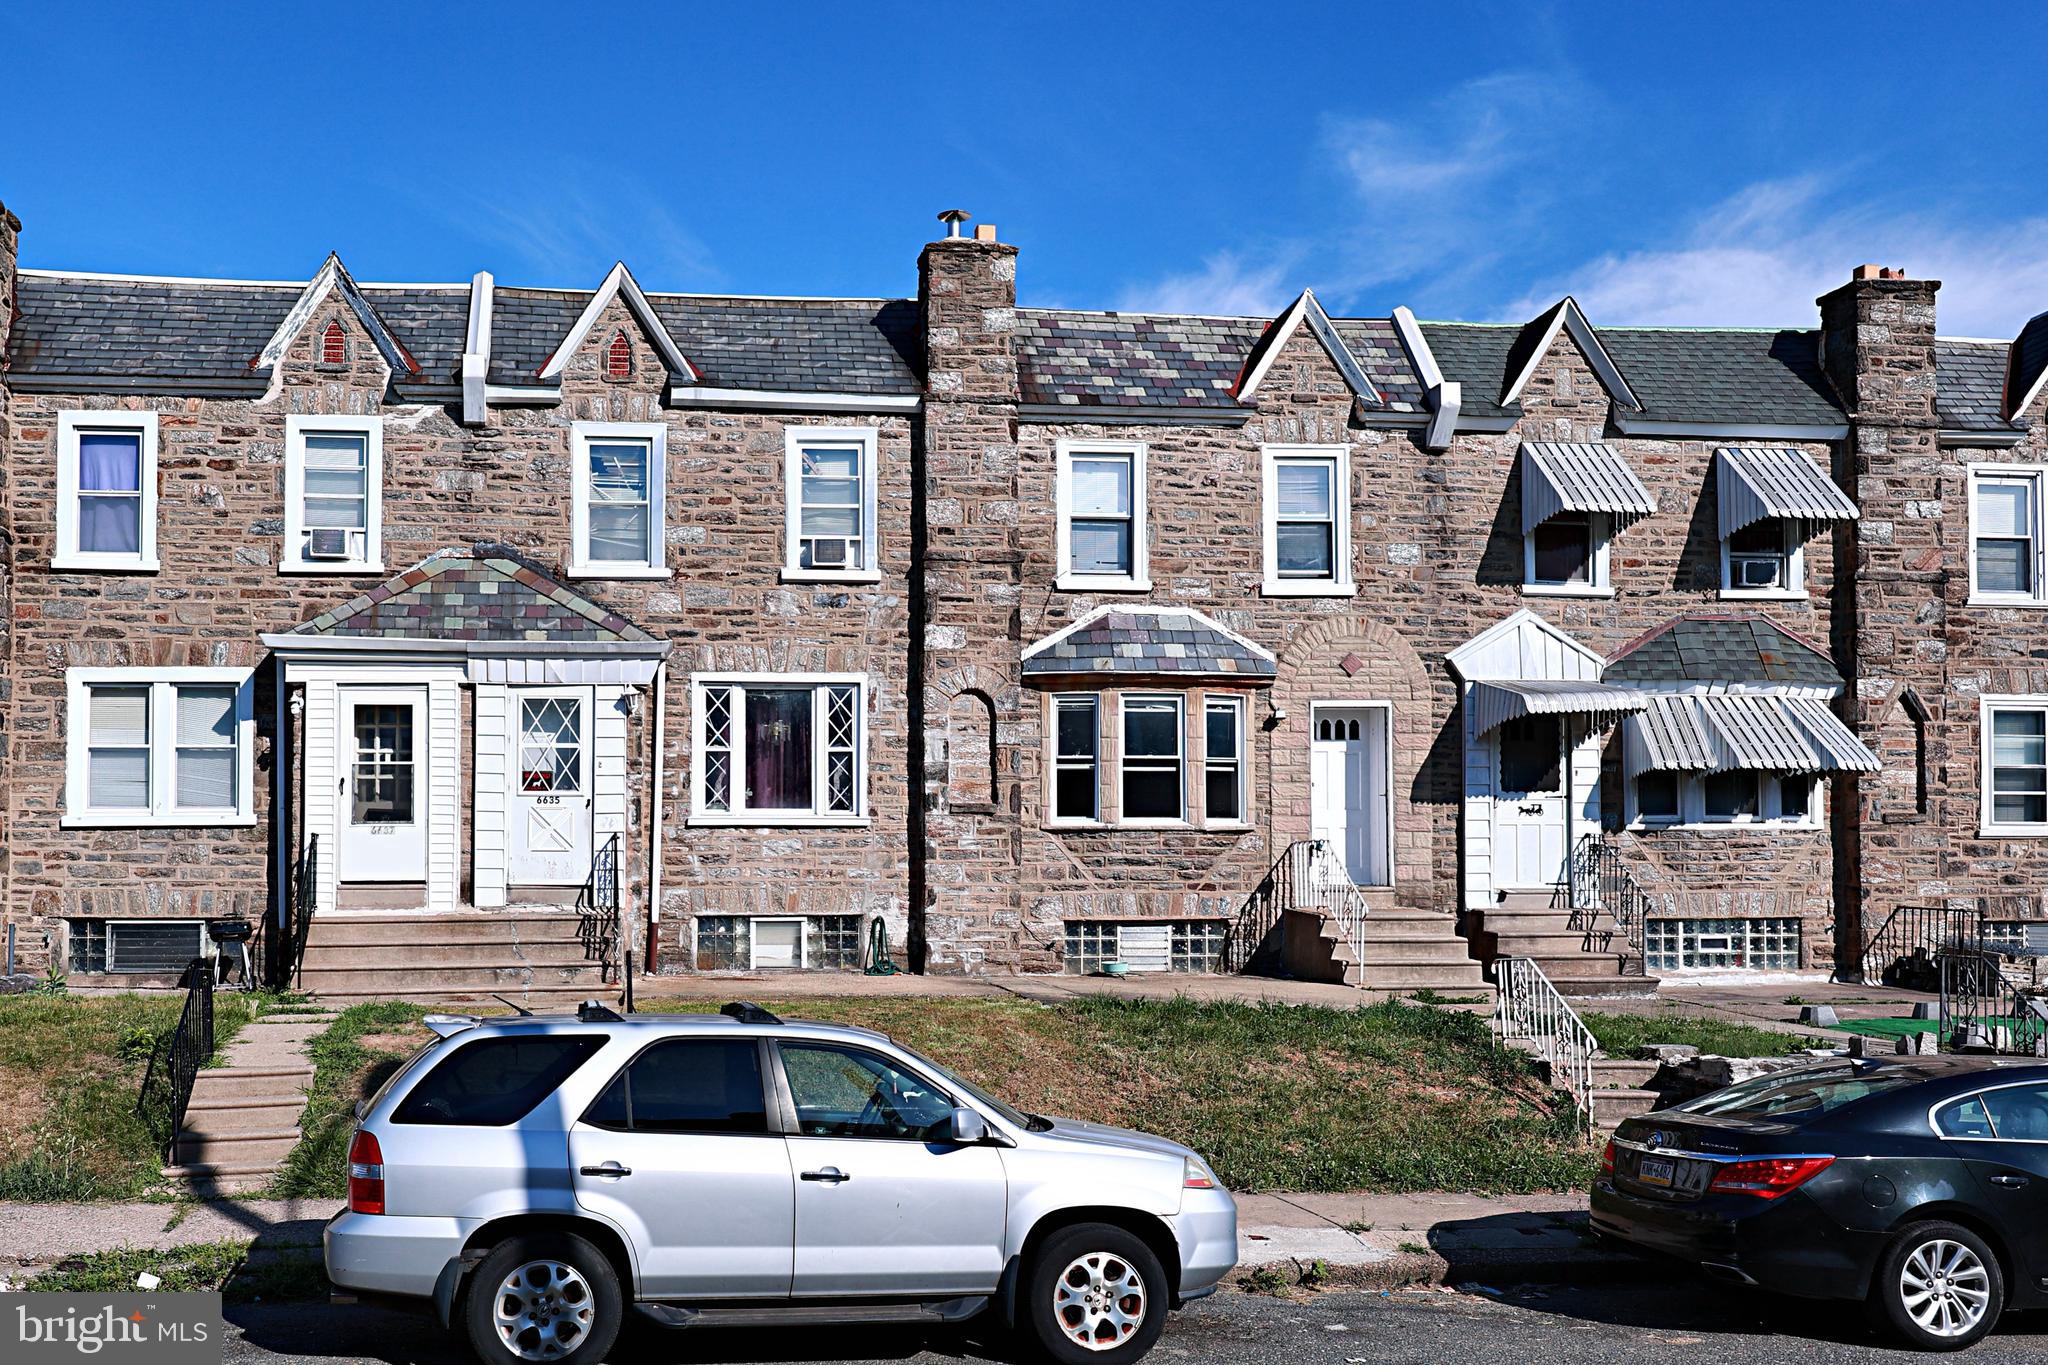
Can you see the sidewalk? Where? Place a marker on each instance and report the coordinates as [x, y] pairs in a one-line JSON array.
[[1375, 1240]]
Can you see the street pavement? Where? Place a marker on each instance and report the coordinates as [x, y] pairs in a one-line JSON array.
[[1680, 1320]]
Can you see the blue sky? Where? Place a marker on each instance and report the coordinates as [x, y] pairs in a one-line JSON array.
[[1666, 163]]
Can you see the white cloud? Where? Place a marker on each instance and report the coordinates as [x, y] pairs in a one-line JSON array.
[[569, 237], [1225, 286], [1764, 255]]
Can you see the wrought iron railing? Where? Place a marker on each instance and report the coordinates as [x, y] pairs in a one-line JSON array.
[[175, 1061], [1309, 877], [1598, 878], [599, 904], [1528, 1009], [1983, 1011], [1905, 948], [300, 901]]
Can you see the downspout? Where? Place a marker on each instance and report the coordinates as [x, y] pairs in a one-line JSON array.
[[658, 819], [1445, 396], [281, 759], [476, 353]]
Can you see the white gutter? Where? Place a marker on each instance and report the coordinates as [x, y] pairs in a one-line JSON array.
[[698, 396], [521, 395], [476, 353]]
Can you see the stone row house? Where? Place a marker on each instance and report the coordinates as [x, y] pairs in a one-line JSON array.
[[1031, 639]]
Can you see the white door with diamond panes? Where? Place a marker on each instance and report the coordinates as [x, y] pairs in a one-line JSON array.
[[552, 775]]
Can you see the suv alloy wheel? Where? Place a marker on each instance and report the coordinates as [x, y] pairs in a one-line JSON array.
[[1097, 1296], [543, 1297]]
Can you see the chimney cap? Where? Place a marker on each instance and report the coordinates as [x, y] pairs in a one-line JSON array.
[[953, 218], [1877, 272]]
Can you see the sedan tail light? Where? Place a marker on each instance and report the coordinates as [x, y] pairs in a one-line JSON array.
[[365, 1174], [1607, 1159], [1768, 1177]]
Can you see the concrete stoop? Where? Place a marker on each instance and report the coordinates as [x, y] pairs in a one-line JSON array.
[[243, 1119], [1584, 953], [533, 956], [1618, 1091], [1404, 953]]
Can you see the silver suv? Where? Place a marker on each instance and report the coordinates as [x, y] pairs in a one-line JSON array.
[[534, 1176]]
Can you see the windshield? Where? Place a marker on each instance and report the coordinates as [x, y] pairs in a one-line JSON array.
[[1803, 1094], [988, 1101]]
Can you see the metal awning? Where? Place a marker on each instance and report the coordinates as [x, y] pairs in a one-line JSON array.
[[1580, 476], [1723, 732], [1495, 703], [1756, 482]]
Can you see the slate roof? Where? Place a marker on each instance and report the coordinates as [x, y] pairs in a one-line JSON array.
[[1708, 648], [1071, 358], [1969, 384], [482, 595], [1150, 641], [801, 345], [136, 329]]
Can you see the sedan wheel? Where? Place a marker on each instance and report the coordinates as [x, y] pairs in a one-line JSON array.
[[1940, 1286]]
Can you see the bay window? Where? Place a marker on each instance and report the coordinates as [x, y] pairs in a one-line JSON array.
[[1076, 746], [1152, 767], [106, 491], [780, 749], [1223, 775]]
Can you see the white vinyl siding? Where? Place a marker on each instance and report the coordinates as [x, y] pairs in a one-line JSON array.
[[334, 495], [831, 507], [159, 747], [1101, 539], [106, 491], [618, 476]]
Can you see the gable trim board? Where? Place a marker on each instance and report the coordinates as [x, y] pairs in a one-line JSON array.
[[333, 275], [621, 282], [1267, 349], [1565, 315]]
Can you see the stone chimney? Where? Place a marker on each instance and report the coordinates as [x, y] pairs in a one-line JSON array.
[[965, 601], [1900, 575], [10, 261]]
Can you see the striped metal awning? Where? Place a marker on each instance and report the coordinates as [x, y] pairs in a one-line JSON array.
[[1580, 476], [1724, 731], [1497, 702], [1756, 482]]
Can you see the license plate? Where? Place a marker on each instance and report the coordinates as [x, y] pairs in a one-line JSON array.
[[1655, 1172]]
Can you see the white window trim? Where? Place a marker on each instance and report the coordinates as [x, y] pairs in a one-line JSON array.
[[1053, 818], [1180, 712], [1986, 704], [2039, 474], [1342, 585], [161, 813], [296, 428], [581, 434], [1237, 704], [1692, 806], [1794, 589], [794, 439], [858, 818], [68, 556], [1600, 527], [1139, 579], [803, 947]]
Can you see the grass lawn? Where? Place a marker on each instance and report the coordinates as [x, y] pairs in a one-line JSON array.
[[71, 1068], [1619, 1035], [290, 1273], [1392, 1097]]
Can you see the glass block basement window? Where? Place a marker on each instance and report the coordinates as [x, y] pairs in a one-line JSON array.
[[1673, 945], [1090, 943], [835, 942], [724, 943], [1198, 946]]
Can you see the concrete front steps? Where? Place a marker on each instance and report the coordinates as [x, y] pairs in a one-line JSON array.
[[1584, 953], [534, 957], [1618, 1092], [243, 1119], [1405, 952]]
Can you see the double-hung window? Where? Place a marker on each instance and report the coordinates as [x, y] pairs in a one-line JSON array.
[[1076, 758], [106, 491], [1567, 552], [829, 483], [2006, 525], [2015, 765], [1101, 541], [1223, 772], [1152, 764], [780, 749], [1307, 502], [334, 495], [618, 471], [1763, 558], [159, 746]]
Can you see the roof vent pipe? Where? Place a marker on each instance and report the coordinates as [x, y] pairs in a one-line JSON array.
[[953, 218]]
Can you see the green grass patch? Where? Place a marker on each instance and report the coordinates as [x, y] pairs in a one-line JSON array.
[[72, 1068], [357, 1053], [1619, 1035], [241, 1277]]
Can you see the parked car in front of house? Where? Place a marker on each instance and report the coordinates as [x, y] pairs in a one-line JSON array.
[[537, 1177], [1918, 1185]]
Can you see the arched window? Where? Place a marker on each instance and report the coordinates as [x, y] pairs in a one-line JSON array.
[[618, 357], [334, 345]]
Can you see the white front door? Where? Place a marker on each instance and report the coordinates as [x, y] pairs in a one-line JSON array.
[[383, 746], [551, 781], [1349, 784], [1530, 807]]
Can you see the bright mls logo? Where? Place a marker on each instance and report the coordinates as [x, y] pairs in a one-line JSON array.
[[161, 1329]]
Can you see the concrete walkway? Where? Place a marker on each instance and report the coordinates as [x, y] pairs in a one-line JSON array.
[[650, 992]]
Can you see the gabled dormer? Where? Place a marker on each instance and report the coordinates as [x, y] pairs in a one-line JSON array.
[[613, 343], [334, 342], [2026, 374], [1535, 340], [1304, 311]]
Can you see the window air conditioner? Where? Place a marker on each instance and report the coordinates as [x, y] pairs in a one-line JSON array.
[[327, 543]]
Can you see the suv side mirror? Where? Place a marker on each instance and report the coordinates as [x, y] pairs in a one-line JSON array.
[[967, 1128]]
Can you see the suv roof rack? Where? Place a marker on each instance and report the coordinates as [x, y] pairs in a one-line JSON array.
[[597, 1012], [747, 1012]]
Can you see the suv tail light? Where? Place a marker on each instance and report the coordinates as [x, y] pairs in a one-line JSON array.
[[1607, 1159], [365, 1174], [1768, 1177]]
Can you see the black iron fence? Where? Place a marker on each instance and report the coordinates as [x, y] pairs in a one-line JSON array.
[[1598, 878], [175, 1061], [1982, 1010], [1906, 949]]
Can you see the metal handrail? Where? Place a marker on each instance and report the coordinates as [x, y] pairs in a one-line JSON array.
[[1911, 928], [305, 892], [599, 902], [1983, 1011], [1308, 876], [1331, 890], [1597, 878], [174, 1063], [1528, 1009]]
